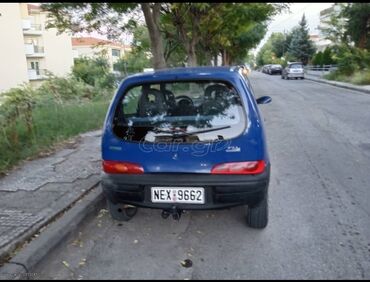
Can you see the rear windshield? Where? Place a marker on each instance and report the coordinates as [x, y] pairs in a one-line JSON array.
[[296, 66], [184, 112]]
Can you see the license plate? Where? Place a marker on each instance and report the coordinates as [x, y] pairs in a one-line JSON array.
[[184, 195]]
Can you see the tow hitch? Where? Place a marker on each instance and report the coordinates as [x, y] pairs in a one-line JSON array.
[[175, 212]]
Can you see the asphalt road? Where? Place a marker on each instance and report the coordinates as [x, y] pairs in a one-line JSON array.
[[319, 144]]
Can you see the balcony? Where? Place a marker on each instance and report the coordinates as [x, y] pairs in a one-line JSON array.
[[34, 51], [37, 74], [31, 29]]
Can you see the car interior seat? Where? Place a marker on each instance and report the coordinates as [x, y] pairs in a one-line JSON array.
[[152, 102]]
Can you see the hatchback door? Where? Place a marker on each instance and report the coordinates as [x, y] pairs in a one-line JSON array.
[[182, 127]]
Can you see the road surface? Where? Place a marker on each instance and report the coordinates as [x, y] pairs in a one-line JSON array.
[[319, 228]]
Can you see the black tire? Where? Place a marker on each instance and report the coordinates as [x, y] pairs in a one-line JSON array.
[[121, 212], [257, 216]]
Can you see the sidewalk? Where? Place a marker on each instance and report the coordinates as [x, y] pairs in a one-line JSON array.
[[361, 88], [31, 196]]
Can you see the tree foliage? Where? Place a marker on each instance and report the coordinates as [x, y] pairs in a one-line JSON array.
[[301, 47], [358, 23], [94, 71], [199, 30]]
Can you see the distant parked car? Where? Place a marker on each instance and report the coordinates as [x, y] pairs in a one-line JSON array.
[[265, 68], [293, 70], [275, 69]]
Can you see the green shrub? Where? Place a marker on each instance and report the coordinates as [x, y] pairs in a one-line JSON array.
[[327, 57], [94, 71], [317, 59], [64, 89], [32, 120], [52, 123], [351, 59], [361, 77]]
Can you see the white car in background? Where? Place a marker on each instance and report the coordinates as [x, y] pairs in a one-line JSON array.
[[293, 70]]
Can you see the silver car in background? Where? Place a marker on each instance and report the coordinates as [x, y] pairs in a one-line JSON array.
[[293, 70]]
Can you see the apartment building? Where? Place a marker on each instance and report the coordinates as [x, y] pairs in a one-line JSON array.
[[27, 50], [91, 47], [319, 39]]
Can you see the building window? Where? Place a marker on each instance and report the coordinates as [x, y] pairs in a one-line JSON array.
[[116, 52], [35, 66]]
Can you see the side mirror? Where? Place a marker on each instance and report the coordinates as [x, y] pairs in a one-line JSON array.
[[264, 100]]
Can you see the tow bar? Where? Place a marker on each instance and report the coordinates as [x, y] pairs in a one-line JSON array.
[[175, 212]]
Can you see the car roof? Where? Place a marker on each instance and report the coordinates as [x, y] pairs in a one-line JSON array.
[[226, 73]]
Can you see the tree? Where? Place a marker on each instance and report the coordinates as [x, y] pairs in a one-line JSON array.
[[107, 18], [208, 29], [334, 28], [317, 60], [274, 50], [301, 47], [358, 23], [202, 30], [327, 57], [278, 44], [140, 55], [94, 71]]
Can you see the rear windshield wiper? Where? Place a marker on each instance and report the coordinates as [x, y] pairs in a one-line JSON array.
[[183, 134]]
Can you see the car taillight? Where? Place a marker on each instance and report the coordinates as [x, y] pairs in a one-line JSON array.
[[122, 167], [254, 167]]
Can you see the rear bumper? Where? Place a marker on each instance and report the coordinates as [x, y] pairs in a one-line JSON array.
[[275, 71], [295, 75], [221, 191]]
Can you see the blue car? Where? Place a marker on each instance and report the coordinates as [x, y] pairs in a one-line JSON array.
[[186, 139]]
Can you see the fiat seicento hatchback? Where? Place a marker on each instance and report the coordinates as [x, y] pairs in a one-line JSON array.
[[186, 139]]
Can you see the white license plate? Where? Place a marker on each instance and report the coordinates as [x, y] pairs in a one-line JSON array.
[[184, 195]]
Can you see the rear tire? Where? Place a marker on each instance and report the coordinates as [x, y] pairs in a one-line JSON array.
[[257, 216], [121, 212]]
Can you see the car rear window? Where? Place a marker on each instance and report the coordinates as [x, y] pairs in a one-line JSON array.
[[183, 112], [296, 66]]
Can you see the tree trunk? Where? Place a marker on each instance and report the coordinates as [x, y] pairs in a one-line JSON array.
[[215, 58], [192, 57], [362, 41], [152, 15], [225, 58]]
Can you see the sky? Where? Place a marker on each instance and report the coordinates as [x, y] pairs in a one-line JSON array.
[[286, 21]]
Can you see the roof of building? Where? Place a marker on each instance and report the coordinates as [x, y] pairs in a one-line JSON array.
[[326, 11], [33, 7], [88, 41]]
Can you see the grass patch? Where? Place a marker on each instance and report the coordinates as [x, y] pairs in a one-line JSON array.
[[358, 77], [52, 123]]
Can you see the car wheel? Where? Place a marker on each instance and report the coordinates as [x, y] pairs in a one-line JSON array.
[[257, 216], [282, 77], [121, 212]]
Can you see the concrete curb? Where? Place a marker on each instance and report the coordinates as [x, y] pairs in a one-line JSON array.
[[359, 89], [20, 266]]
